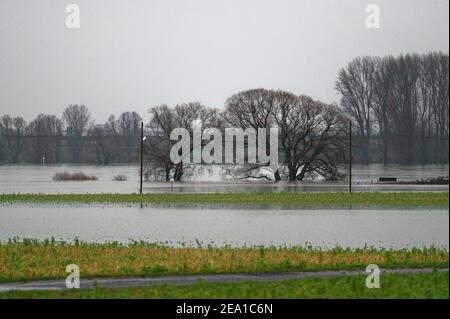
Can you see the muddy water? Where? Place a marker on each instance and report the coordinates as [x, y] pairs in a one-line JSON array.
[[237, 227], [38, 179]]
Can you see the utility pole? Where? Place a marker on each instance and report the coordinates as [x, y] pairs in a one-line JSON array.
[[350, 158], [142, 156]]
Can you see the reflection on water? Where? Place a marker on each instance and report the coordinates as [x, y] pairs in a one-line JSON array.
[[237, 227], [38, 179]]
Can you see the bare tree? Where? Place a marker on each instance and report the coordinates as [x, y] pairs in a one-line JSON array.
[[252, 109], [44, 138], [441, 108], [13, 131], [76, 117], [356, 85], [158, 165], [163, 120], [2, 149], [410, 105], [427, 102], [111, 132], [104, 143], [383, 101], [312, 136], [405, 97], [128, 126]]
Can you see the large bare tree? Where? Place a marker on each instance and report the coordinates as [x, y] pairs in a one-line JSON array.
[[163, 120], [356, 84], [405, 97], [383, 101], [441, 108], [312, 136], [252, 109]]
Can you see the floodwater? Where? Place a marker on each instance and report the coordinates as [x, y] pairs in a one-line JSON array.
[[355, 228], [38, 179]]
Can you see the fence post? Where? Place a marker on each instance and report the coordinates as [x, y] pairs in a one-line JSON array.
[[350, 158], [142, 156]]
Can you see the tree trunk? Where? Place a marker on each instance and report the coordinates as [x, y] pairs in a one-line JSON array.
[[277, 176], [167, 174], [385, 150]]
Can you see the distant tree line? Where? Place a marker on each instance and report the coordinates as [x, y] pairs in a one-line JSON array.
[[400, 107], [312, 135], [73, 138]]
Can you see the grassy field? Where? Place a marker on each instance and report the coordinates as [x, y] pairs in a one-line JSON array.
[[284, 199], [430, 285], [32, 260]]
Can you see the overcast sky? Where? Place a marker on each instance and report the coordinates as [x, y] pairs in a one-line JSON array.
[[133, 54]]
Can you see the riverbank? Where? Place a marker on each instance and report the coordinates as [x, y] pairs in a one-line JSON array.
[[282, 199], [25, 260]]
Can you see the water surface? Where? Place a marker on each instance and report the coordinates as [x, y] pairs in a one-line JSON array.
[[238, 227], [38, 179]]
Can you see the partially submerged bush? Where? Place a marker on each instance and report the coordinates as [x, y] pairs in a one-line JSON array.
[[77, 176], [441, 180], [119, 178]]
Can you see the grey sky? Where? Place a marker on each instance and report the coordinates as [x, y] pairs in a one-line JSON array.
[[130, 55]]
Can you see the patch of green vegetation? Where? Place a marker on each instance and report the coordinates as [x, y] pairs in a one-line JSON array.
[[33, 260], [399, 286], [284, 199]]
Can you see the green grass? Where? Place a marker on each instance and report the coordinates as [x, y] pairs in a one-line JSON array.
[[284, 199], [424, 286], [33, 260]]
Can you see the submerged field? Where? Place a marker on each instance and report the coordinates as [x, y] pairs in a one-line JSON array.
[[27, 260], [399, 286], [282, 199], [32, 260]]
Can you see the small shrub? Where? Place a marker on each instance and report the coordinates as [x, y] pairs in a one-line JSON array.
[[77, 176], [119, 178]]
